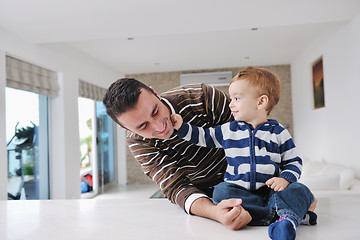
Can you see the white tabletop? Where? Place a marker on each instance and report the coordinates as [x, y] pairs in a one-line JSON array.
[[153, 219]]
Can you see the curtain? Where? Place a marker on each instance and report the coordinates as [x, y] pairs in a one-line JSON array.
[[29, 77], [88, 90]]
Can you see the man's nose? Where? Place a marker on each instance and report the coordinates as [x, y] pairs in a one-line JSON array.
[[158, 125]]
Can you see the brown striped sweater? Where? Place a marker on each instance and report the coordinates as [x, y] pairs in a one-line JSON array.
[[177, 166]]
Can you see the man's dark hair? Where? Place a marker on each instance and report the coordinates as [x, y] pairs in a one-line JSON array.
[[122, 95]]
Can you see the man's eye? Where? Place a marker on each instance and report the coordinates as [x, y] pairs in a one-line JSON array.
[[155, 113], [143, 127]]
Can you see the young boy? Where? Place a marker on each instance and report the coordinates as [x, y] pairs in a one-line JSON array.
[[263, 166]]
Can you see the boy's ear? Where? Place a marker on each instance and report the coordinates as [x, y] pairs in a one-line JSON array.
[[263, 102]]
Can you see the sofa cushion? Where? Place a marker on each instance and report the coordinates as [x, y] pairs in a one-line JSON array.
[[326, 182], [326, 176]]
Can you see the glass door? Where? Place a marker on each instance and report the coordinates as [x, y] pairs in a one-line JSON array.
[[105, 146], [97, 164], [27, 145], [87, 134]]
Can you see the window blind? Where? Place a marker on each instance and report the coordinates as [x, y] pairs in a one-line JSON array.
[[88, 90], [29, 77]]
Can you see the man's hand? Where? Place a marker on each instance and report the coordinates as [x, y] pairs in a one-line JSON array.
[[232, 214], [176, 120], [228, 212], [277, 183]]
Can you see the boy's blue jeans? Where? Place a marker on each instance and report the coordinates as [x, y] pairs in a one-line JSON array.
[[265, 205]]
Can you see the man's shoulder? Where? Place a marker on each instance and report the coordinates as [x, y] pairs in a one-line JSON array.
[[180, 98], [174, 93]]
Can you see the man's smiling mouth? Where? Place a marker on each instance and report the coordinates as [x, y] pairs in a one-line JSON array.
[[165, 127]]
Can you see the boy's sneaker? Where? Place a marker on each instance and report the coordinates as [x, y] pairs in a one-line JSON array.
[[310, 218]]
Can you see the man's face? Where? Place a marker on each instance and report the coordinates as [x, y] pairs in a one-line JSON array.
[[149, 118]]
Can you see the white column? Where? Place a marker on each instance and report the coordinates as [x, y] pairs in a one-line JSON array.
[[64, 139]]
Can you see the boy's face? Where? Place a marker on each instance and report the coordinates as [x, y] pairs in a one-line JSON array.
[[244, 101], [149, 118]]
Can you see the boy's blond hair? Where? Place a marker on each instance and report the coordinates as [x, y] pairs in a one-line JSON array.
[[266, 83]]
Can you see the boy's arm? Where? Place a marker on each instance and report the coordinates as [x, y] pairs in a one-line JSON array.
[[204, 137], [291, 162]]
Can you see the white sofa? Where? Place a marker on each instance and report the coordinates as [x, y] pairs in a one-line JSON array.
[[322, 177]]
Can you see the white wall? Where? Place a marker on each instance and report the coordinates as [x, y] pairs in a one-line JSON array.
[[3, 153], [332, 133], [71, 65]]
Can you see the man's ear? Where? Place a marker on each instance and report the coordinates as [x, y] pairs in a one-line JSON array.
[[263, 102]]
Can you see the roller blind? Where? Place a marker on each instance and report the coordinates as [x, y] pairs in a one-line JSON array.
[[29, 77], [88, 90]]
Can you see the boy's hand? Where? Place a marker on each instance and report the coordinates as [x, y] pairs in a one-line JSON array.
[[277, 183], [176, 120]]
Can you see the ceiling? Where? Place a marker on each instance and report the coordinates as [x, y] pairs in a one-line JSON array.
[[138, 36]]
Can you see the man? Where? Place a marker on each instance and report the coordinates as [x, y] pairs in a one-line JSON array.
[[185, 173]]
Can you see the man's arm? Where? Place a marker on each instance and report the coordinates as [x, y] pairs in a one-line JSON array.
[[228, 212], [162, 169]]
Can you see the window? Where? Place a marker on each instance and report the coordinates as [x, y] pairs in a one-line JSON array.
[[27, 145], [29, 88]]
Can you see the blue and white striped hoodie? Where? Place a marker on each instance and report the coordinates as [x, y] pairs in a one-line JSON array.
[[253, 155]]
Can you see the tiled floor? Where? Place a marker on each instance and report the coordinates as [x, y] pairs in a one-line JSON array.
[[337, 212], [122, 209]]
